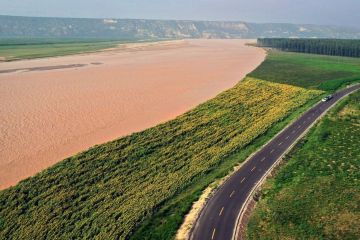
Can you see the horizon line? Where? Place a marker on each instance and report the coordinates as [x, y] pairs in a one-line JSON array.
[[155, 19]]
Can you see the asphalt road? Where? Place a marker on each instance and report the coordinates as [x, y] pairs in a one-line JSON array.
[[218, 218]]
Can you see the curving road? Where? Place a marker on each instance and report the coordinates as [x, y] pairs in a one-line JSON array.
[[218, 218]]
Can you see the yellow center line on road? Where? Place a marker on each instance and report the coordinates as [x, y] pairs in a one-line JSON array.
[[243, 180], [221, 211], [232, 193], [262, 159], [253, 169], [213, 234]]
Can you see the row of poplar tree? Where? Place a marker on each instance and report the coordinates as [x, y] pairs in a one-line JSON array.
[[336, 47]]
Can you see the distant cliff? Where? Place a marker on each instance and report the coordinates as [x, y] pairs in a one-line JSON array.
[[146, 29]]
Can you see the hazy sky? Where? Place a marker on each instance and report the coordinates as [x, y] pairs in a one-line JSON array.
[[334, 12]]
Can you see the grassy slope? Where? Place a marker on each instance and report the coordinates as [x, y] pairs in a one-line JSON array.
[[153, 176], [316, 194]]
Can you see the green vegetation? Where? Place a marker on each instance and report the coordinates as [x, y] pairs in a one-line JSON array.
[[142, 185], [27, 48], [315, 195], [164, 223], [309, 71], [334, 47], [16, 51]]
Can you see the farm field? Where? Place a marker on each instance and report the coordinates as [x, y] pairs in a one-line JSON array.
[[310, 71], [142, 185], [315, 194], [16, 49]]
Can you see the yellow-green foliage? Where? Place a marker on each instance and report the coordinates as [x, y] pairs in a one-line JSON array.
[[106, 191]]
